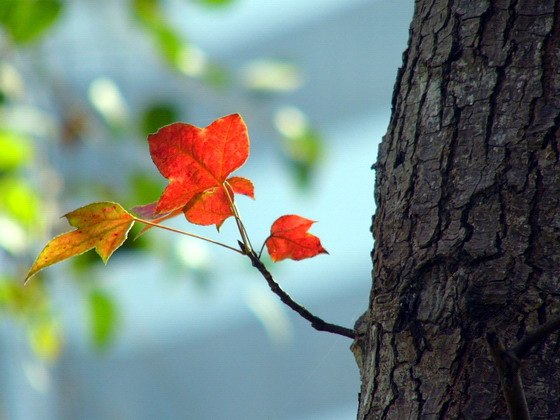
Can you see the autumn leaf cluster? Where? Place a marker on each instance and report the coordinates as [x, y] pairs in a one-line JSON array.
[[198, 162]]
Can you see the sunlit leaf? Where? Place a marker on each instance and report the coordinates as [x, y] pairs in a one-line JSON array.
[[15, 150], [289, 238], [103, 226], [26, 20], [102, 317]]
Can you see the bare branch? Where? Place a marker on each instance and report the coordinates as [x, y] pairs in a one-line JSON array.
[[316, 322], [532, 338], [508, 366]]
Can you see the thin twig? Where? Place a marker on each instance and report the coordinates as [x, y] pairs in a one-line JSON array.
[[316, 322], [146, 222], [508, 366], [534, 337]]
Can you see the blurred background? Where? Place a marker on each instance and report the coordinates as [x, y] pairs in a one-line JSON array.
[[175, 328]]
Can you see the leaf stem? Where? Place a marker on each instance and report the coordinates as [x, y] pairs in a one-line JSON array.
[[240, 226], [146, 222], [262, 248]]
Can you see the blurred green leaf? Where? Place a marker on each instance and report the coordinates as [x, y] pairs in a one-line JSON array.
[[18, 299], [30, 305], [15, 150], [46, 337], [12, 297], [301, 143], [83, 263], [175, 49], [26, 20], [145, 188], [216, 76], [158, 115], [214, 3], [169, 43], [103, 317], [106, 97], [138, 244], [272, 76], [303, 155], [19, 200]]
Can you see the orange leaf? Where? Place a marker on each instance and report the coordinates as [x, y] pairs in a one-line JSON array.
[[212, 206], [197, 162], [289, 239], [102, 225]]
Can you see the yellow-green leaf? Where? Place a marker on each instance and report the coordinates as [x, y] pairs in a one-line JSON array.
[[46, 338], [103, 226]]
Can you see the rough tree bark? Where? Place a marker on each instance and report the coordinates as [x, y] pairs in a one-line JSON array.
[[467, 226]]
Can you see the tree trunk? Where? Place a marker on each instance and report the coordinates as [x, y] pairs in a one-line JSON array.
[[467, 228]]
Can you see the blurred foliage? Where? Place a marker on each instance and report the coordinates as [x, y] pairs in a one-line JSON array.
[[302, 145], [214, 3], [26, 20], [272, 76], [102, 318], [168, 41], [53, 137], [158, 115]]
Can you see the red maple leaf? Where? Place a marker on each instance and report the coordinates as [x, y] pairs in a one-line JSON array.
[[197, 162], [289, 238]]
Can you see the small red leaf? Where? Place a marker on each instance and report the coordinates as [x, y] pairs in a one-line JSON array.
[[289, 239]]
